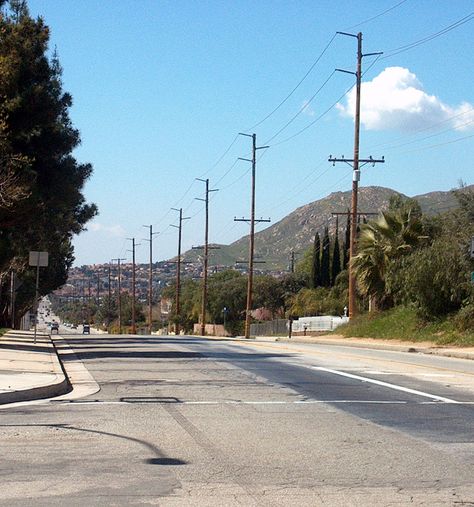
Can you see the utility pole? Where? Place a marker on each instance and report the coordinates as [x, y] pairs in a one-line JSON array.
[[134, 326], [109, 302], [355, 163], [206, 257], [252, 231], [89, 294], [150, 278], [178, 267], [98, 290], [12, 298], [119, 296]]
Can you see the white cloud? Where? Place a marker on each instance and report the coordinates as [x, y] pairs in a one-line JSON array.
[[396, 100], [112, 230]]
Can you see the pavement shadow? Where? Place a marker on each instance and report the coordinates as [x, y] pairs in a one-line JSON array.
[[26, 348]]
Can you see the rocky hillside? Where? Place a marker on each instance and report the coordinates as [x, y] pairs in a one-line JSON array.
[[296, 231]]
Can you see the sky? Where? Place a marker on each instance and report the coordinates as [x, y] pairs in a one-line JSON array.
[[162, 90]]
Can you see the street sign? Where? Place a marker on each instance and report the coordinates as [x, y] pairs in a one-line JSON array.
[[472, 278], [38, 259]]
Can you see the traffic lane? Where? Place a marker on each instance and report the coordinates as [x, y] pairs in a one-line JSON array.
[[418, 415], [268, 446], [421, 416], [458, 373]]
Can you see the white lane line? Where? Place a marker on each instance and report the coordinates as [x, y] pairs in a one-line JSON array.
[[231, 402], [386, 384]]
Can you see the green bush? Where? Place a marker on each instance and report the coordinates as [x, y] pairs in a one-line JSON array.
[[435, 279], [464, 319]]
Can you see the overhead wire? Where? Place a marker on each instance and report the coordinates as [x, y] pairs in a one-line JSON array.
[[430, 37], [376, 16], [326, 111], [303, 108], [297, 86], [423, 129]]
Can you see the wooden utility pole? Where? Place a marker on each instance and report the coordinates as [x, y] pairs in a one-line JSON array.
[[355, 164], [134, 326], [98, 290], [119, 296], [150, 279], [178, 267], [206, 257], [252, 231]]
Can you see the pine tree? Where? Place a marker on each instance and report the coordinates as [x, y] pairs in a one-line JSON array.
[[325, 260], [315, 280], [38, 140], [336, 256]]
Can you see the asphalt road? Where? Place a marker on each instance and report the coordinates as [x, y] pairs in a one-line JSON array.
[[188, 421]]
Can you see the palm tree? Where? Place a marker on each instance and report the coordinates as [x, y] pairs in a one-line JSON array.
[[393, 234]]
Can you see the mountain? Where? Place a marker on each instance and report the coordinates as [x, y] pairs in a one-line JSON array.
[[296, 231]]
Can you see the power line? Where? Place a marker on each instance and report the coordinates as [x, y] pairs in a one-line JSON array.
[[424, 129], [376, 16], [297, 86], [428, 38], [305, 106], [326, 111], [441, 144]]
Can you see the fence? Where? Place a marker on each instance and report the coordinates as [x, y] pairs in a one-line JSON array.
[[315, 324], [270, 328], [303, 325]]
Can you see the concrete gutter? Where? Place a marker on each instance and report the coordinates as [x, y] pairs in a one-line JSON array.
[[29, 370]]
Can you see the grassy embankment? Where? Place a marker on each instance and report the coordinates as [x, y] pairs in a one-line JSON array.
[[403, 324], [3, 331]]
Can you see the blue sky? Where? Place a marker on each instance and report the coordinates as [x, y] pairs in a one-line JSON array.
[[161, 89]]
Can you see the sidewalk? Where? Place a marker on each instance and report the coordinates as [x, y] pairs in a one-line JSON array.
[[29, 370]]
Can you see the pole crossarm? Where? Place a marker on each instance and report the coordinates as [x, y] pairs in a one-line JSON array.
[[248, 220], [361, 213], [362, 161]]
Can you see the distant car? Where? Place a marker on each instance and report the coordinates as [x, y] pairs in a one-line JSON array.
[[86, 329], [73, 326], [55, 327]]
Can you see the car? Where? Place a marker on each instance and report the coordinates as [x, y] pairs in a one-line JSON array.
[[73, 326], [86, 329], [55, 327]]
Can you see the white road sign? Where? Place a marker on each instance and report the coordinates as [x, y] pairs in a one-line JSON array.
[[38, 259]]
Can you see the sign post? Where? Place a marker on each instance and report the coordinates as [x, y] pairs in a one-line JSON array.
[[37, 259]]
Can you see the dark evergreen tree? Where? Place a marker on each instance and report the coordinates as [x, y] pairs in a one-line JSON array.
[[46, 205], [325, 260], [336, 256], [347, 242], [315, 279]]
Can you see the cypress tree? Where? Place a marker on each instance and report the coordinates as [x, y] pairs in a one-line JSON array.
[[347, 242], [325, 260], [315, 280], [336, 256]]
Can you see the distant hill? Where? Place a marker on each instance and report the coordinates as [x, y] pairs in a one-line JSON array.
[[296, 231]]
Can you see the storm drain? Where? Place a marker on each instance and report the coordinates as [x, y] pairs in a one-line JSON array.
[[149, 399]]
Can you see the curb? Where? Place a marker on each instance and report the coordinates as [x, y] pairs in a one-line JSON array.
[[59, 387]]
